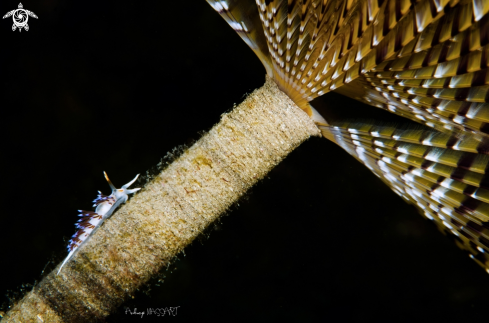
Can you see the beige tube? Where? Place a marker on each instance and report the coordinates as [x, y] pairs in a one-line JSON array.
[[156, 224]]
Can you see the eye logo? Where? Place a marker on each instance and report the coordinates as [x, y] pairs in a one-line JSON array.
[[20, 17]]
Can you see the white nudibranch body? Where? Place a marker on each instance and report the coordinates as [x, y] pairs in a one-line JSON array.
[[90, 221]]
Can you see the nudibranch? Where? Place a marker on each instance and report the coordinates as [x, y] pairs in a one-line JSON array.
[[104, 205]]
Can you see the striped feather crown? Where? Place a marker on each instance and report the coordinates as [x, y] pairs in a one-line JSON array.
[[426, 61]]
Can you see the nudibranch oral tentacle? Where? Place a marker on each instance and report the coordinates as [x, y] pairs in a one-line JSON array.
[[104, 205]]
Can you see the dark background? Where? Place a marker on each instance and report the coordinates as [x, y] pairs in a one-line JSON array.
[[114, 86]]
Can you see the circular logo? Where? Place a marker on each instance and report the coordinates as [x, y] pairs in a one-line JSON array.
[[20, 17]]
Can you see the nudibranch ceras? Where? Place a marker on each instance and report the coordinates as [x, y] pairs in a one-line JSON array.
[[104, 205]]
